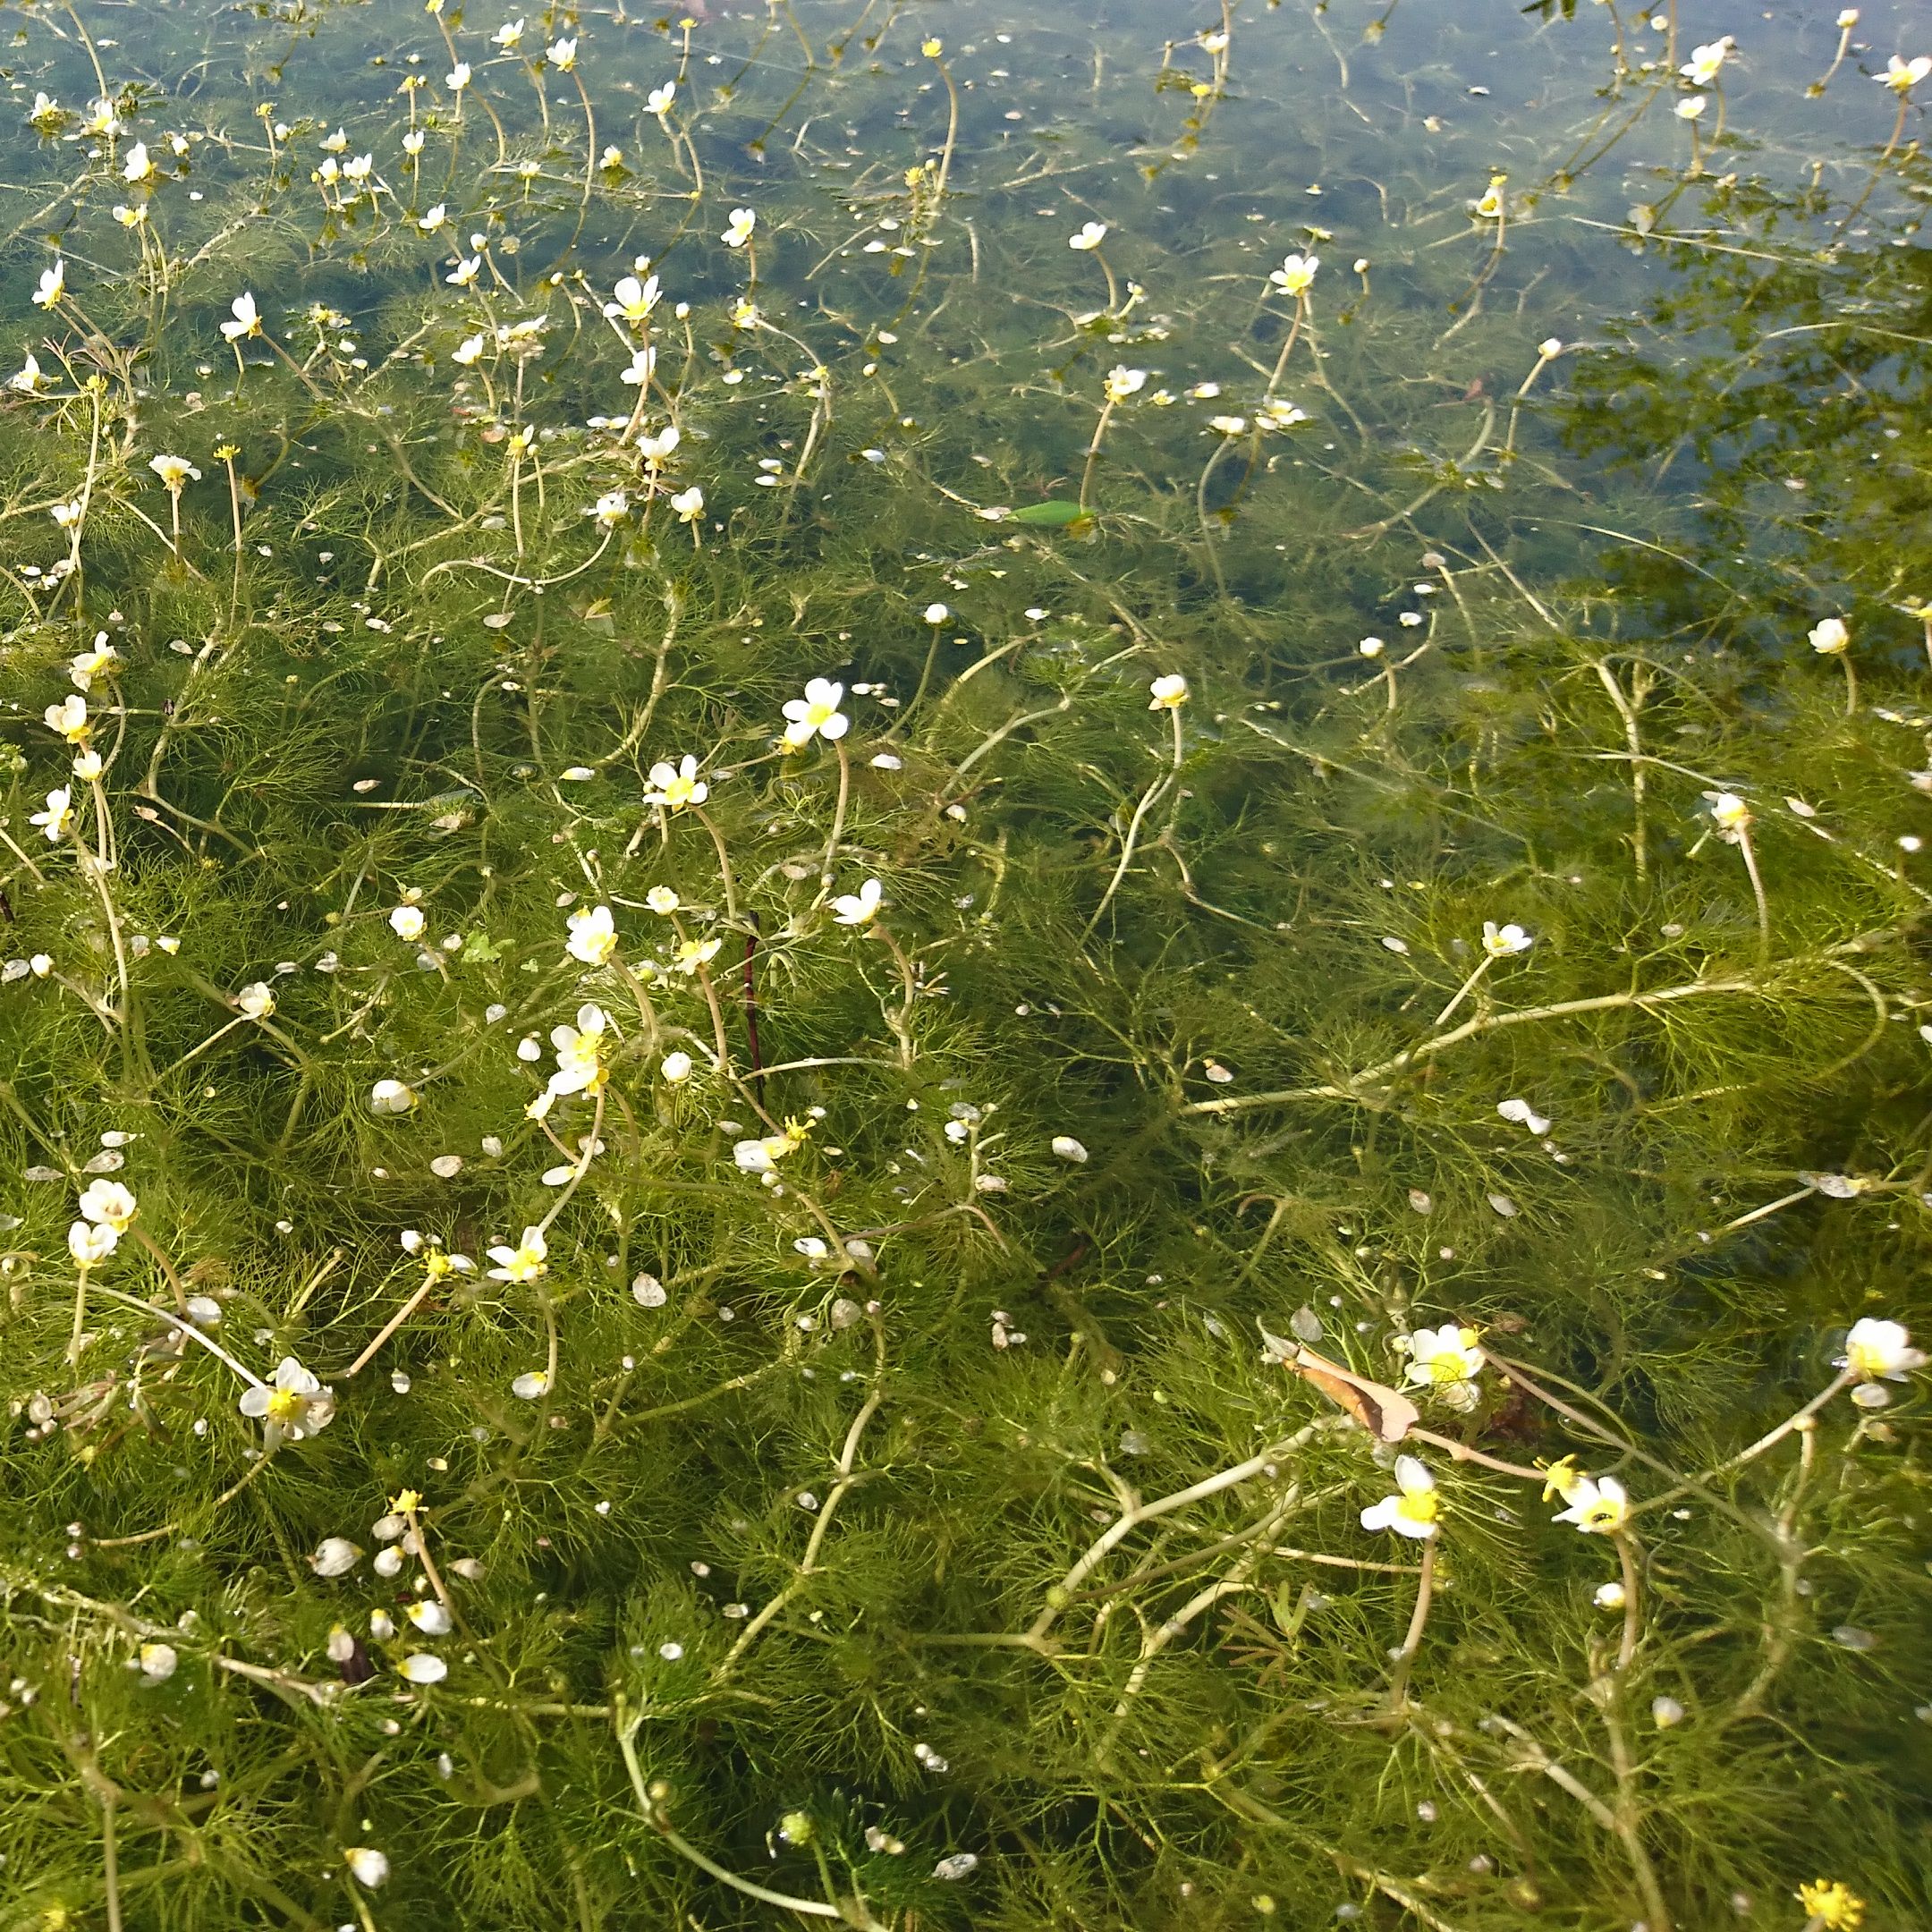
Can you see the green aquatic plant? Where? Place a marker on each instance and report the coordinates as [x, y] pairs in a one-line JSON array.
[[835, 1092]]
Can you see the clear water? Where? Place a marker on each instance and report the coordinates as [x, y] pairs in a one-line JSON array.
[[1353, 844]]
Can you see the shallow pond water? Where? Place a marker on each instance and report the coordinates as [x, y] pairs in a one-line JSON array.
[[965, 965]]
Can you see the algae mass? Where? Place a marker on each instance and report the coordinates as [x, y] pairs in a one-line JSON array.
[[964, 966]]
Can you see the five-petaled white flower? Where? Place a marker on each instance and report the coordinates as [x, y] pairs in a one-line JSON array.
[[465, 271], [52, 285], [173, 470], [562, 55], [609, 510], [1599, 1504], [28, 379], [245, 319], [1829, 636], [1091, 236], [579, 1053], [57, 820], [108, 1204], [689, 504], [1412, 1512], [675, 786], [1702, 69], [139, 167], [458, 76], [659, 100], [815, 714], [510, 35], [1122, 382], [1902, 76], [1170, 692], [1880, 1348], [593, 936], [1730, 813], [860, 908], [1501, 942], [392, 1097], [1447, 1360], [407, 922], [90, 1242], [293, 1406], [634, 300], [738, 230], [369, 1867], [528, 1261], [1296, 274], [69, 717], [256, 1001]]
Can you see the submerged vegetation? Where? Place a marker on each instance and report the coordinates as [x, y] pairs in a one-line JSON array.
[[965, 970]]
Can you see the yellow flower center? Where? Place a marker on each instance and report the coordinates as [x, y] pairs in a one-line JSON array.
[[285, 1406], [1419, 1507]]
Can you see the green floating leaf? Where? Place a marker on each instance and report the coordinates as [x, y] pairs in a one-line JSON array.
[[1056, 513]]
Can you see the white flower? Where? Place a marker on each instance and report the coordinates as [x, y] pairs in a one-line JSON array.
[[593, 934], [87, 666], [458, 76], [1732, 814], [391, 1097], [663, 900], [57, 820], [1412, 1512], [1848, 17], [465, 271], [467, 351], [676, 786], [1880, 1348], [634, 301], [676, 1066], [173, 470], [659, 100], [1295, 275], [293, 1406], [431, 1617], [420, 1667], [525, 1262], [29, 377], [108, 1204], [1492, 205], [860, 908], [529, 1386], [1447, 1360], [1902, 76], [937, 614], [246, 318], [1702, 69], [88, 765], [1169, 692], [90, 1242], [140, 163], [562, 55], [654, 449], [815, 715], [579, 1053], [69, 717], [370, 1868], [1610, 1596], [510, 35], [610, 509], [102, 118], [407, 922], [738, 230], [255, 1000], [335, 1556], [1691, 106], [52, 285], [1068, 1148], [1091, 236], [1829, 636], [1227, 426], [68, 515], [1598, 1505], [159, 1662], [433, 217], [1122, 382], [689, 504], [412, 142], [1500, 942]]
